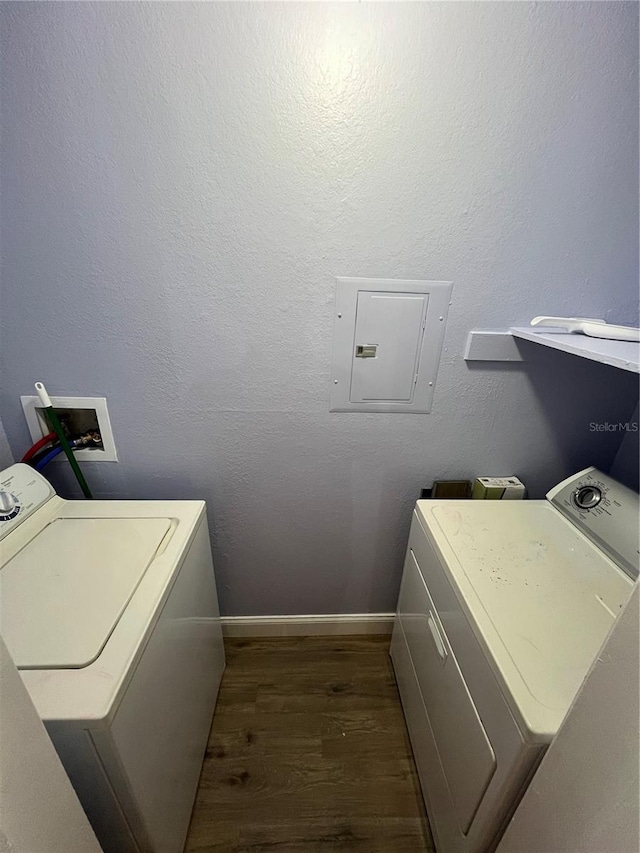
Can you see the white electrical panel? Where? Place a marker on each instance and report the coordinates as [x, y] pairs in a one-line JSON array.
[[386, 344]]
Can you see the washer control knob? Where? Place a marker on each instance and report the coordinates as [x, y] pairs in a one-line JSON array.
[[586, 497], [8, 505]]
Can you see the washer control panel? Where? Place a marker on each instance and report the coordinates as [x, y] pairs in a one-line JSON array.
[[22, 492], [605, 511]]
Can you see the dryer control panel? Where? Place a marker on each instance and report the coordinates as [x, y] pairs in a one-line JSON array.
[[605, 511], [22, 492]]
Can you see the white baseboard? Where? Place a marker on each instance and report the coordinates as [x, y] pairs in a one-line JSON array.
[[330, 624]]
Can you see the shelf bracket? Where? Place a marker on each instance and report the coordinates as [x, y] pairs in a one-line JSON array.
[[488, 345]]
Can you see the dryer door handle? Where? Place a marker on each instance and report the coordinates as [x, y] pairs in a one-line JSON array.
[[437, 638]]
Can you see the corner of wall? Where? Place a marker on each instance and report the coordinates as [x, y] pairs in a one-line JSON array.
[[626, 464], [6, 456]]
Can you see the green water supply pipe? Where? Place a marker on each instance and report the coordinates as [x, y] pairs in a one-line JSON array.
[[56, 427]]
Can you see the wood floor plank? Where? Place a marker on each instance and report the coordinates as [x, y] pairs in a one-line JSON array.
[[373, 835], [308, 752]]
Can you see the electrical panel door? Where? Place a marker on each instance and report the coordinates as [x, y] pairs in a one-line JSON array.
[[387, 340]]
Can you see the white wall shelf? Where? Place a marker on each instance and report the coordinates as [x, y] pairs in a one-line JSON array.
[[622, 354], [499, 346]]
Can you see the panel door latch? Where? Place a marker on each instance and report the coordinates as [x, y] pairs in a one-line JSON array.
[[366, 350]]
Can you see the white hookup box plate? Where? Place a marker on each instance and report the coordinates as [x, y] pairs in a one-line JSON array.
[[387, 339], [38, 428]]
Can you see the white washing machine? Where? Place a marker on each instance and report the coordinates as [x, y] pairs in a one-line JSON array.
[[109, 610], [502, 610]]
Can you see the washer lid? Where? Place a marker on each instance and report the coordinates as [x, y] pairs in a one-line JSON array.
[[62, 595], [542, 596]]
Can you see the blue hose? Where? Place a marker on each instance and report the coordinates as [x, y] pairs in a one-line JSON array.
[[46, 459]]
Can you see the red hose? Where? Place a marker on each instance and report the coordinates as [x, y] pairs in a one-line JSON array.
[[38, 446]]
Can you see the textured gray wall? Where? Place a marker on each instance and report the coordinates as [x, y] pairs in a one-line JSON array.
[[626, 464], [183, 182], [6, 456]]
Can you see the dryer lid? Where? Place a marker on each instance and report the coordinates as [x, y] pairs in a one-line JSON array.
[[62, 595]]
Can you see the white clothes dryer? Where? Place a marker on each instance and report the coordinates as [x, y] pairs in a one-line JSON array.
[[503, 608]]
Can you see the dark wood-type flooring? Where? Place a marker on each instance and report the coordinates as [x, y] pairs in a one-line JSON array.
[[308, 753]]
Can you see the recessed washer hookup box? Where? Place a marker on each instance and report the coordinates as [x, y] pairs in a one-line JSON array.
[[498, 489]]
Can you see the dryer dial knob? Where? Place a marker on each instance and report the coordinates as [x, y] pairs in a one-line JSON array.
[[586, 497]]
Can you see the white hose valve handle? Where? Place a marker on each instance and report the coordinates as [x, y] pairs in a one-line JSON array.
[[45, 399]]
